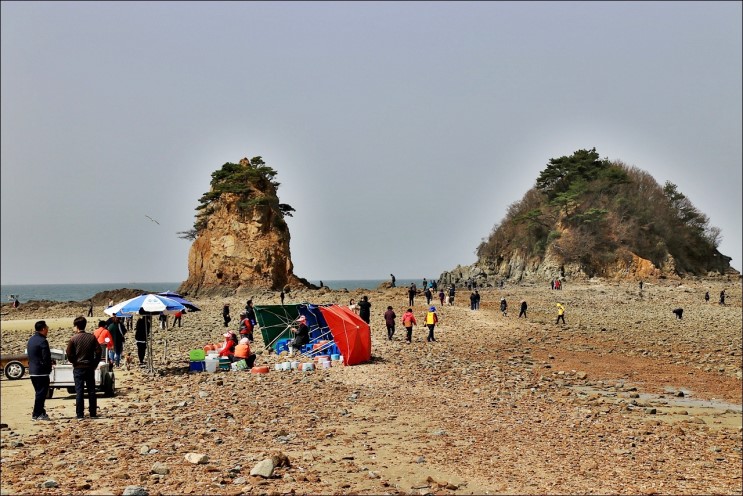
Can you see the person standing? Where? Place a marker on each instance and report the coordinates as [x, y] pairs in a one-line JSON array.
[[425, 283], [429, 295], [389, 320], [163, 321], [392, 276], [722, 297], [431, 321], [141, 331], [226, 314], [706, 297], [117, 330], [640, 284], [411, 294], [246, 327], [281, 296], [250, 314], [504, 307], [522, 310], [84, 352], [39, 368], [103, 335], [90, 308], [560, 313], [477, 300], [472, 300], [408, 321], [441, 297], [552, 284], [177, 317], [452, 293], [365, 309], [353, 306]]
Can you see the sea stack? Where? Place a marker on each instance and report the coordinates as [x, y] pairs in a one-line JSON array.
[[240, 237]]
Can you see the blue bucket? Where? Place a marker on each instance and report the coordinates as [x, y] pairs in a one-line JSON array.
[[335, 357]]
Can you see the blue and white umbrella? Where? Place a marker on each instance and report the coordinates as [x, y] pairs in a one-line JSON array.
[[180, 299], [147, 304]]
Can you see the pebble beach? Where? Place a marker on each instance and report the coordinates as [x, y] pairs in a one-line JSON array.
[[624, 398]]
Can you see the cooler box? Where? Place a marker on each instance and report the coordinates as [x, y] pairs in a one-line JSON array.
[[199, 366]]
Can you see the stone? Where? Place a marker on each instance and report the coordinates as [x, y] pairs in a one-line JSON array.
[[264, 469], [50, 484], [159, 468], [197, 458], [135, 491], [144, 450]]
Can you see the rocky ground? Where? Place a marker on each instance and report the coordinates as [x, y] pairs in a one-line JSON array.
[[624, 399]]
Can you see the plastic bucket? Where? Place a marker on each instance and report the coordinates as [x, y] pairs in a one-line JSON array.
[[277, 366], [286, 365], [321, 358], [211, 365], [324, 364], [295, 365], [308, 367], [335, 357]]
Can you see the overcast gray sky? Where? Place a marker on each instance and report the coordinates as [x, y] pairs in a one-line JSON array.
[[400, 132]]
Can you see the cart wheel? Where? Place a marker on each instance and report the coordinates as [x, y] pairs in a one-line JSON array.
[[70, 390], [14, 370], [110, 388], [49, 393]]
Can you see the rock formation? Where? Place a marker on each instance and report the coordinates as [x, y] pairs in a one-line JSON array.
[[241, 244]]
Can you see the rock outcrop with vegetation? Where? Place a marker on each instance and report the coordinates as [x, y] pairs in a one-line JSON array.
[[240, 237], [589, 217]]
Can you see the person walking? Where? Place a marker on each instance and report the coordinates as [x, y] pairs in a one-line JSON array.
[[117, 330], [522, 310], [84, 352], [392, 276], [408, 321], [441, 297], [141, 331], [472, 300], [431, 320], [411, 295], [706, 297], [640, 284], [452, 293], [722, 297], [365, 309], [429, 295], [389, 320], [560, 313], [226, 314], [504, 307], [281, 296], [477, 300], [90, 308], [39, 368]]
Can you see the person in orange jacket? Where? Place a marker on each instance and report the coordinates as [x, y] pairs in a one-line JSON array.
[[101, 334], [242, 352], [408, 321]]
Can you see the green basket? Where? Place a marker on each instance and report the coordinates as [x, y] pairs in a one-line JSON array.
[[197, 355]]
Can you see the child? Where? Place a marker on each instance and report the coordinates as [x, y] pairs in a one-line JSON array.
[[431, 321], [408, 321]]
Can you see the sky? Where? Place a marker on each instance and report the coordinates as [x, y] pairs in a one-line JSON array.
[[400, 131]]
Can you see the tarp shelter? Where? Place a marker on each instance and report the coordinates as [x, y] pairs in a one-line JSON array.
[[352, 335], [275, 322]]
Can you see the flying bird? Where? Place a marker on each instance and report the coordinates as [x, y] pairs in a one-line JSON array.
[[153, 220]]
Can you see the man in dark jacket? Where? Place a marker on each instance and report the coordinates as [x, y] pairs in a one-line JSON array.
[[389, 320], [117, 330], [84, 352], [39, 367], [365, 309]]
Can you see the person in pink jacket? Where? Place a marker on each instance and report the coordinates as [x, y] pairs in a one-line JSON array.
[[408, 321]]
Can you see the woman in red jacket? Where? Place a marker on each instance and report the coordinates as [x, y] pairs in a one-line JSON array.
[[408, 321]]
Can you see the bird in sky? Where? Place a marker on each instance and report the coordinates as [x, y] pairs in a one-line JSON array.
[[153, 220]]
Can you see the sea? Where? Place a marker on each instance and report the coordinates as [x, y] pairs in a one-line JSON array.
[[81, 292]]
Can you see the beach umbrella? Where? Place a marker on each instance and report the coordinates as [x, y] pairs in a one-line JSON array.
[[147, 304], [180, 299]]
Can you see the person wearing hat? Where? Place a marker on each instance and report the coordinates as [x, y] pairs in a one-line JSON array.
[[229, 345], [560, 313], [431, 321], [242, 352], [301, 335]]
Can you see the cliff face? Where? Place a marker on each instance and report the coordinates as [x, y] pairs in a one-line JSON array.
[[241, 248]]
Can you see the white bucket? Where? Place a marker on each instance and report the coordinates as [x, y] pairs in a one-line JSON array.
[[325, 364], [308, 367], [295, 365], [278, 367], [286, 365], [211, 364]]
